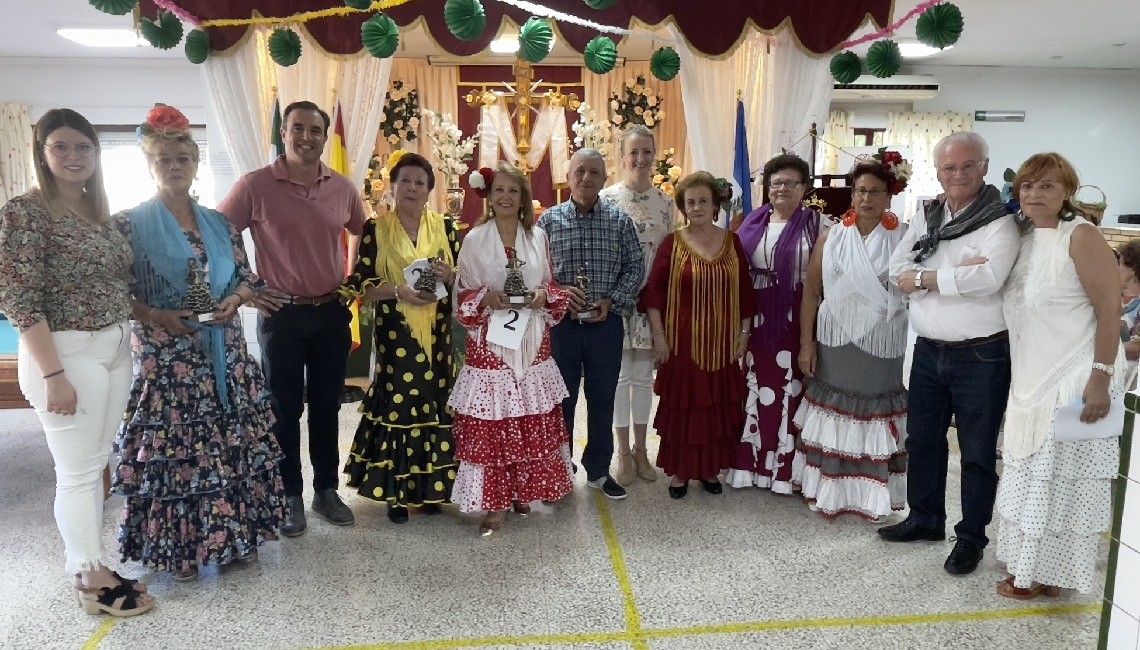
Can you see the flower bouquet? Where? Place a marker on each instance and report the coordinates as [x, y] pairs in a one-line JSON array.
[[449, 146], [401, 114], [666, 173], [598, 134], [640, 105]]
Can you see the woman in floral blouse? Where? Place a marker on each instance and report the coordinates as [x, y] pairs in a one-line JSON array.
[[199, 467], [652, 213], [63, 283]]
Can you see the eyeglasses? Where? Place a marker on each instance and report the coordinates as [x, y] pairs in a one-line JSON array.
[[64, 149], [862, 191], [165, 162], [951, 170], [781, 185]]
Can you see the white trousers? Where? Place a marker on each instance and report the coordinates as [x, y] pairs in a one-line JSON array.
[[98, 365], [634, 387]]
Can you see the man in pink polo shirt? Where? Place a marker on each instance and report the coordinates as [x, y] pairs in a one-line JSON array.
[[297, 210]]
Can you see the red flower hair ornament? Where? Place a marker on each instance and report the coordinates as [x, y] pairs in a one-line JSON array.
[[163, 118], [480, 180]]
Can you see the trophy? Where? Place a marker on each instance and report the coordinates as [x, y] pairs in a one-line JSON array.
[[589, 310], [425, 284], [198, 298], [515, 287]]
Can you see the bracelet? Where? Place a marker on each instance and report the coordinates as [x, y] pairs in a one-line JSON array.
[[53, 374], [241, 301], [396, 294], [658, 333]]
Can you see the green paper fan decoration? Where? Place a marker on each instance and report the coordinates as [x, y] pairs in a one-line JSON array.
[[197, 46], [939, 26], [884, 58], [601, 55], [359, 4], [381, 36], [846, 67], [284, 47], [114, 7], [163, 33], [465, 18], [534, 39], [601, 5], [665, 63]]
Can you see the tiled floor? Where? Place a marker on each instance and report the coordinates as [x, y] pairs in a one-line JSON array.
[[747, 569]]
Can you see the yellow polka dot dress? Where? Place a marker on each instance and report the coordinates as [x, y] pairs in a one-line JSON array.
[[403, 451]]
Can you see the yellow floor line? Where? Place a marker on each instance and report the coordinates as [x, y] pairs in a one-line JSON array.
[[101, 633], [621, 573]]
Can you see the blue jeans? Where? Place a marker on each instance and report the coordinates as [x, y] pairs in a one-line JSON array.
[[593, 351], [306, 344], [972, 384]]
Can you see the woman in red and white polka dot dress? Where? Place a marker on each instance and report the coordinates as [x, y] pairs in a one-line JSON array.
[[510, 436]]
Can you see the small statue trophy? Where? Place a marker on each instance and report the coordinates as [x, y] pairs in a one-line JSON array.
[[589, 310], [198, 298], [425, 284], [515, 287]]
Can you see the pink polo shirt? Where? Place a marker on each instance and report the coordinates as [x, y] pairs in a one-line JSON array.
[[298, 230]]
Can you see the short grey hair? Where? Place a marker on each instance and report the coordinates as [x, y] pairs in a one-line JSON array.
[[587, 152], [962, 137], [633, 132]]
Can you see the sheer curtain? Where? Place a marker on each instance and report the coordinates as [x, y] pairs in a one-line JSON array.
[[709, 90], [16, 169], [363, 83], [239, 87], [839, 133], [796, 93], [919, 132], [437, 88], [671, 132]]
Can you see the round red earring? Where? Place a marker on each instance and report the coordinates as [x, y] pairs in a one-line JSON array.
[[890, 221], [850, 217]]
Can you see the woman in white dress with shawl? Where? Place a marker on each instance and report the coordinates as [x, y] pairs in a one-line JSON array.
[[1062, 306], [850, 456], [510, 436]]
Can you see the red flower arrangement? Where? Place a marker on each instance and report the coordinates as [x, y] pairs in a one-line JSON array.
[[164, 118], [480, 180], [894, 164]]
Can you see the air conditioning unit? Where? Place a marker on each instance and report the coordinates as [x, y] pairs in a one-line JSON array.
[[899, 88]]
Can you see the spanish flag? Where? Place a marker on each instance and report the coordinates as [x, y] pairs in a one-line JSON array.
[[338, 161]]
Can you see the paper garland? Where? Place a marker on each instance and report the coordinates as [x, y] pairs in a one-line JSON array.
[[163, 33], [940, 26], [465, 18], [284, 47], [197, 46], [846, 67], [380, 35], [534, 40], [884, 58], [665, 63], [601, 55], [114, 7]]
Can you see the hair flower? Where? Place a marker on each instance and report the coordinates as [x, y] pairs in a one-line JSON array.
[[394, 158], [895, 166], [163, 118], [480, 180]]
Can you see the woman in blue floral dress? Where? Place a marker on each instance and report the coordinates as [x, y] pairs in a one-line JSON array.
[[199, 467]]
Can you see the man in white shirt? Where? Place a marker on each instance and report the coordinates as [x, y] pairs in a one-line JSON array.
[[953, 262]]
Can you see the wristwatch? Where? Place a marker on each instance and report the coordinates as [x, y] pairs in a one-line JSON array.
[[1105, 368], [918, 280]]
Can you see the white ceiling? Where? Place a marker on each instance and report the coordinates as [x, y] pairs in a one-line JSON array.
[[1033, 33]]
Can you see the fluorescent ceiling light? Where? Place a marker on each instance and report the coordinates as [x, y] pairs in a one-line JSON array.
[[918, 50], [103, 37], [507, 44]]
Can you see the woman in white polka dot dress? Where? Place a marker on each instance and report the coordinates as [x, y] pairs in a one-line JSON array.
[[1062, 306], [510, 435]]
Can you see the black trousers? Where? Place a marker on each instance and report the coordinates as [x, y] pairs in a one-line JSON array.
[[310, 342]]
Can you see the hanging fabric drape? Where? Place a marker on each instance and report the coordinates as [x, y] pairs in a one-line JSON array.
[[16, 168], [919, 132], [838, 133], [242, 100], [548, 132], [797, 93]]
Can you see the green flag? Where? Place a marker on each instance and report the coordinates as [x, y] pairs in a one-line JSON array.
[[275, 135]]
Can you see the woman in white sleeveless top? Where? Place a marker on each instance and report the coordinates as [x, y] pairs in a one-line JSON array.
[[850, 455], [1062, 306]]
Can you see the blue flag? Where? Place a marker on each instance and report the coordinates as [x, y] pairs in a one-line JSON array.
[[740, 167]]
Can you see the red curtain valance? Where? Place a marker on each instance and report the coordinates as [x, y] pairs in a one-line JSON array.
[[711, 27]]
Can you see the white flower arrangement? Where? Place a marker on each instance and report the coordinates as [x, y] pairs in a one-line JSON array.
[[449, 147], [599, 134], [401, 114], [639, 106]]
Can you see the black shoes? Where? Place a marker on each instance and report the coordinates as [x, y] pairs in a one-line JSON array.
[[431, 509], [398, 514], [327, 504], [679, 491], [964, 558], [609, 487], [295, 522], [909, 531], [713, 486]]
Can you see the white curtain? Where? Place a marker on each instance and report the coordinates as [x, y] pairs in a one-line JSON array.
[[437, 88], [839, 133], [362, 86], [919, 132], [16, 168], [797, 92], [709, 89], [240, 93]]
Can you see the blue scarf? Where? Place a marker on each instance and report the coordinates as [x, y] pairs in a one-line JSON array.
[[162, 261]]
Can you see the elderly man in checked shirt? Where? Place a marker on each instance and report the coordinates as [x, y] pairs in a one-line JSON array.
[[596, 236]]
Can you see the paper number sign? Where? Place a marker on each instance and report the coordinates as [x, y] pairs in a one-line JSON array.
[[506, 327]]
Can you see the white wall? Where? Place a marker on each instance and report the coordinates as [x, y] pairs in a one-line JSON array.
[[1092, 117], [105, 91]]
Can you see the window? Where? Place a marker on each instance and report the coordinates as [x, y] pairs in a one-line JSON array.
[[127, 177], [868, 137]]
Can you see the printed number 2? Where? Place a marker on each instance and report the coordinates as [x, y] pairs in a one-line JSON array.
[[511, 323]]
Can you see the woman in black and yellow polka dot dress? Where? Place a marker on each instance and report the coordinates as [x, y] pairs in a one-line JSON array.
[[403, 450]]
